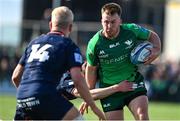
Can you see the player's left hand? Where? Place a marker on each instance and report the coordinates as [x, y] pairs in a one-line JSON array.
[[83, 107]]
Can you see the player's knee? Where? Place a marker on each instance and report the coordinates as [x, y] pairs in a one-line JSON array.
[[142, 114], [143, 117]]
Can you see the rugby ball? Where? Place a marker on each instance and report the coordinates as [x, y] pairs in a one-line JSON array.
[[140, 52]]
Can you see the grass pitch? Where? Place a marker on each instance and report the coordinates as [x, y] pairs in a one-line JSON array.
[[157, 110]]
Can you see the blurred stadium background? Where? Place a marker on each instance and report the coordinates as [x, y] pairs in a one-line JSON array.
[[22, 20]]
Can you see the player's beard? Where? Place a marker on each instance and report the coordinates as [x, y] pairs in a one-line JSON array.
[[112, 33]]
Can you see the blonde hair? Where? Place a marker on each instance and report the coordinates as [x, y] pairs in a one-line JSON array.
[[111, 9], [61, 17]]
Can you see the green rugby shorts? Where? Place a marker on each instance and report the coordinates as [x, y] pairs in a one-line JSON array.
[[118, 100]]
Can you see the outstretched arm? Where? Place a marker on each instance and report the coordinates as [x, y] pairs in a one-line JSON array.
[[100, 93]]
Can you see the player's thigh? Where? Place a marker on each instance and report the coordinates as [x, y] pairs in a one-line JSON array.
[[113, 106], [115, 115], [139, 105]]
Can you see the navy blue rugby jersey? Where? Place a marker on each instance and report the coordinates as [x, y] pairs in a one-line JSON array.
[[45, 60]]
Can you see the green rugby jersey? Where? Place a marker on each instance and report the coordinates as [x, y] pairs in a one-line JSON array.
[[113, 56]]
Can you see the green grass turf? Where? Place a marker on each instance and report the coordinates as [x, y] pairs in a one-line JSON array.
[[157, 110]]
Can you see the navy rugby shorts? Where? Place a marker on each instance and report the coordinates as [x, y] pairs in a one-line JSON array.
[[49, 107]]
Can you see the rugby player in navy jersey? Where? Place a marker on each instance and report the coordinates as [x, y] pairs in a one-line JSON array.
[[43, 63]]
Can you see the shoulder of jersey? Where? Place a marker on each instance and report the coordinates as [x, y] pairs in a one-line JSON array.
[[129, 25]]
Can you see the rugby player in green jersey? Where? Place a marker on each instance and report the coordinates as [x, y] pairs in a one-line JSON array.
[[108, 53]]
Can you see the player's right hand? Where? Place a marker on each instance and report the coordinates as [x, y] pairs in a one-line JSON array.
[[124, 86]]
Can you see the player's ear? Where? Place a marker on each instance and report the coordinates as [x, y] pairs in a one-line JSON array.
[[120, 21], [70, 27], [50, 25]]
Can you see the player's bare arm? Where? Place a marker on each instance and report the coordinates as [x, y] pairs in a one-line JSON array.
[[100, 93], [91, 76], [155, 51], [82, 88], [17, 73]]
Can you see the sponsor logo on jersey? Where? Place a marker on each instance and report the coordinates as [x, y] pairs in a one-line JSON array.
[[129, 44], [78, 57], [114, 45], [102, 54], [115, 60]]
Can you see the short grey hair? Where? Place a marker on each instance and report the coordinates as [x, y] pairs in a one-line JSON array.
[[61, 17]]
